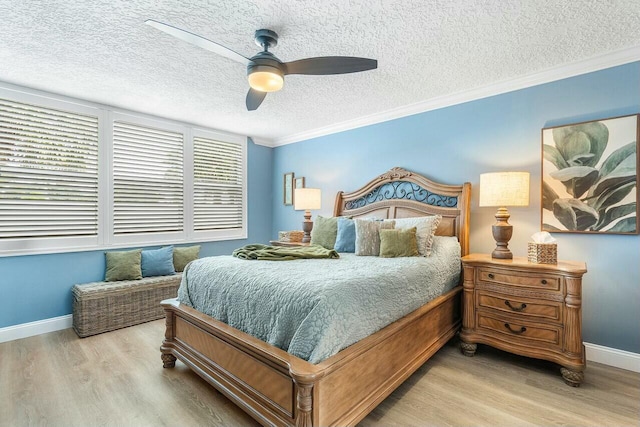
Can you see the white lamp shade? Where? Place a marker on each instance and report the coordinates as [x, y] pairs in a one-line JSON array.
[[307, 198], [504, 189], [266, 79]]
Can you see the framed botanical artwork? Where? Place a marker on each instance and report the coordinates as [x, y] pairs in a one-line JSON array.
[[299, 182], [288, 189], [590, 176]]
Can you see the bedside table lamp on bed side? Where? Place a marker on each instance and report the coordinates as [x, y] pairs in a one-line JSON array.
[[307, 199], [502, 189]]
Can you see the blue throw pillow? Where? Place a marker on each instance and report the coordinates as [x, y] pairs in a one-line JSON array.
[[346, 237], [157, 262]]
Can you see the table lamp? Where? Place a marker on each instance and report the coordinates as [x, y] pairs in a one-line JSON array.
[[503, 189], [306, 199]]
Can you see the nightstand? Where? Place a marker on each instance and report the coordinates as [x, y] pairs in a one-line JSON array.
[[279, 243], [533, 310]]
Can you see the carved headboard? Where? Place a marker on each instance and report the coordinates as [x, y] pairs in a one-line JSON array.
[[400, 193]]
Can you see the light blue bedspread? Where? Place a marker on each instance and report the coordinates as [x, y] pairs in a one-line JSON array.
[[314, 308]]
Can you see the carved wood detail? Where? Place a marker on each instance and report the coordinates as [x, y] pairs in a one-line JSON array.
[[455, 219], [468, 284], [168, 360], [468, 349], [304, 404], [572, 378], [573, 316]]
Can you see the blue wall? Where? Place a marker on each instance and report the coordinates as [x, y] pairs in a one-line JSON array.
[[36, 287], [458, 143]]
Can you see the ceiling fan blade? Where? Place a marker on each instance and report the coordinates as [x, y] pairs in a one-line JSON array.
[[254, 99], [330, 65], [199, 41]]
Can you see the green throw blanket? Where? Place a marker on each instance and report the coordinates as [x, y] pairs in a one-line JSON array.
[[283, 253]]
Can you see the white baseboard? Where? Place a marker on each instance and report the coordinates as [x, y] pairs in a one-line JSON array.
[[30, 329], [594, 353], [612, 357]]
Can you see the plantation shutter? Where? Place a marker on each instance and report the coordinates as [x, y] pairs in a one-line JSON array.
[[147, 179], [48, 172], [218, 185]]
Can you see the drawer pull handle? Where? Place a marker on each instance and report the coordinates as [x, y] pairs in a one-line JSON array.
[[515, 331], [543, 281], [522, 306], [491, 276]]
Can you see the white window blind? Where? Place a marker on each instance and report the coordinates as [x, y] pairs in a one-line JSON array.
[[147, 179], [48, 172], [218, 185]]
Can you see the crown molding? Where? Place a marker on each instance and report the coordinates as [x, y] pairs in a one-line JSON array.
[[262, 141], [596, 63]]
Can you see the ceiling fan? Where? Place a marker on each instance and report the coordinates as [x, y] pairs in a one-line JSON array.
[[265, 71]]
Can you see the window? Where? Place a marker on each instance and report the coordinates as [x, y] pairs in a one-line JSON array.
[[148, 181], [74, 176], [218, 185], [48, 173]]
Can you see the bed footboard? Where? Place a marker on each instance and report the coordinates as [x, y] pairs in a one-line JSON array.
[[277, 388]]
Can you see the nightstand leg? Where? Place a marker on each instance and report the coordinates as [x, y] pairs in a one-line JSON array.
[[468, 349], [168, 360], [572, 378]]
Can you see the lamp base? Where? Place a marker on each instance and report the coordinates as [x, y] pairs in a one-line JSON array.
[[502, 232], [307, 226]]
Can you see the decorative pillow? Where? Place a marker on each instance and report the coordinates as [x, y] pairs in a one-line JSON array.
[[157, 262], [425, 230], [346, 237], [183, 255], [398, 243], [368, 236], [324, 231], [123, 265]]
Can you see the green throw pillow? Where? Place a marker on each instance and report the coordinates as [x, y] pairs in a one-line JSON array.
[[398, 243], [123, 265], [184, 255], [324, 232], [426, 227]]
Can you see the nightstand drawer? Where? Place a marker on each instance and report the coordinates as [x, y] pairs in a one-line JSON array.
[[525, 307], [525, 332], [519, 278]]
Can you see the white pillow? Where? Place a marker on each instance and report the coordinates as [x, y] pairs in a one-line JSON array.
[[425, 230]]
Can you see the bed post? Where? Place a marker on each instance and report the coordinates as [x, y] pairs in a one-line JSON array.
[[304, 403], [168, 359]]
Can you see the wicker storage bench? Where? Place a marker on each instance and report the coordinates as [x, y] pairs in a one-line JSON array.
[[104, 306]]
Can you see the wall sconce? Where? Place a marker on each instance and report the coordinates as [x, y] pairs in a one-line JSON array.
[[307, 199], [503, 189]]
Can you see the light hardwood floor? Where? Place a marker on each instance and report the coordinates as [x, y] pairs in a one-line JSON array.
[[58, 379]]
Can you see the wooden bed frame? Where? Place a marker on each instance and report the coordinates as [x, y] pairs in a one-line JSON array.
[[277, 388]]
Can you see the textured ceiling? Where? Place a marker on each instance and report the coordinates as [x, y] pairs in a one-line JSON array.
[[100, 50]]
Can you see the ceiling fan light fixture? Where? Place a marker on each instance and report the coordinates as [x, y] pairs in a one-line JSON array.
[[265, 78]]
